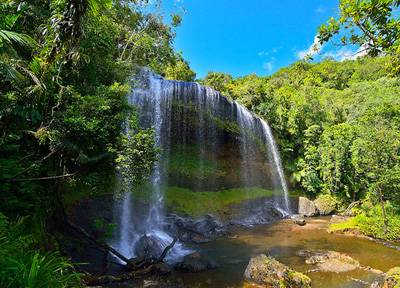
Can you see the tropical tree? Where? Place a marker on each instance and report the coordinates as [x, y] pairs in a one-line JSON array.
[[12, 67], [372, 24]]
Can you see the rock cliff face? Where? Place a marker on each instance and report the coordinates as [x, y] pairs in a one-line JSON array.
[[265, 270]]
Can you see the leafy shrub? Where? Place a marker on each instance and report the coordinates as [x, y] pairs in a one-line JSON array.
[[369, 221], [22, 265]]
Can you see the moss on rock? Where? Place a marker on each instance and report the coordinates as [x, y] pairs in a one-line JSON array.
[[185, 201], [265, 270], [392, 279], [326, 204]]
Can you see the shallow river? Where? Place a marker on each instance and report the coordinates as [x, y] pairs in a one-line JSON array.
[[282, 240]]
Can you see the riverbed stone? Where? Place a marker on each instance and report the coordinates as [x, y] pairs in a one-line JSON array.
[[196, 262], [298, 220], [161, 269], [148, 247], [267, 271], [307, 207], [329, 261], [325, 204]]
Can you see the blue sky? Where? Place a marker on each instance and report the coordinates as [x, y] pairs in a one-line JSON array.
[[253, 36]]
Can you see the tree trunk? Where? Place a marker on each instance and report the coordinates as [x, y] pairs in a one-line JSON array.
[[385, 220]]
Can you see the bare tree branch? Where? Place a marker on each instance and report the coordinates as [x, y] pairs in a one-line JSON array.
[[41, 178]]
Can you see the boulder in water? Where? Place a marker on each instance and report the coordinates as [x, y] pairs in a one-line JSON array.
[[392, 278], [200, 230], [329, 261], [148, 247], [255, 211], [207, 225], [307, 207], [196, 262], [269, 272], [161, 269]]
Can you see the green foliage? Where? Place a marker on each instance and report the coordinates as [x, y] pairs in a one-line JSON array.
[[106, 228], [373, 25], [23, 265], [138, 154], [64, 75], [336, 167], [96, 182], [179, 70], [336, 124], [348, 225], [64, 85], [370, 222], [326, 203], [217, 81]]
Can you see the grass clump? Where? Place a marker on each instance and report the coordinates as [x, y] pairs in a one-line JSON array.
[[23, 265], [349, 224], [369, 221], [186, 201]]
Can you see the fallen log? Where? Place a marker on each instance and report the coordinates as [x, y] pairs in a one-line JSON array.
[[100, 244], [166, 250], [347, 212], [142, 267], [138, 268]]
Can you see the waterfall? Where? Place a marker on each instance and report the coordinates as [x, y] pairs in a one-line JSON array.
[[190, 118], [248, 122]]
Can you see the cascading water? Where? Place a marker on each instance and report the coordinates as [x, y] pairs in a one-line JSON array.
[[250, 122], [217, 132]]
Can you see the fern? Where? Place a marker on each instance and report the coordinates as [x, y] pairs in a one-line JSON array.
[[22, 265]]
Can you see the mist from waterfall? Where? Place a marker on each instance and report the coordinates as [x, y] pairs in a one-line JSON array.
[[183, 113]]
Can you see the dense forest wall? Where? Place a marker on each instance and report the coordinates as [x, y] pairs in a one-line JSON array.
[[337, 124]]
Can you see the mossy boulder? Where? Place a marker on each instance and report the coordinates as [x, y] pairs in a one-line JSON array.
[[267, 271], [392, 279], [325, 204]]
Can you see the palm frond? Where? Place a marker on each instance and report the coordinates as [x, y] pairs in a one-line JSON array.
[[9, 72], [11, 38]]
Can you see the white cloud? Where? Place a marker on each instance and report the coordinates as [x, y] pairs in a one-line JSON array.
[[265, 53], [262, 53], [346, 53], [320, 10], [314, 49], [268, 66], [276, 49]]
